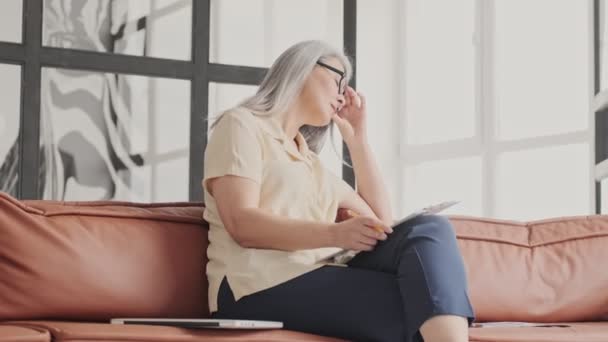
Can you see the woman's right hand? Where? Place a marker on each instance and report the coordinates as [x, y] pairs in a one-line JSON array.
[[359, 233]]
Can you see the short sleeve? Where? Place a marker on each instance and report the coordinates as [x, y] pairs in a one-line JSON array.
[[234, 148], [339, 186]]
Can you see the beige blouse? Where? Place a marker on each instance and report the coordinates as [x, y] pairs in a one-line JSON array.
[[293, 183]]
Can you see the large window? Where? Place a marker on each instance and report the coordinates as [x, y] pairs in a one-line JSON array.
[[497, 107], [108, 99]]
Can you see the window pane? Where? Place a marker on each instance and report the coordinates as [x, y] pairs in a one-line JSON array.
[[171, 191], [444, 180], [603, 32], [223, 96], [542, 183], [237, 32], [541, 71], [107, 136], [294, 21], [604, 196], [170, 101], [255, 32], [439, 70], [170, 27], [331, 153], [10, 25], [133, 27], [10, 105]]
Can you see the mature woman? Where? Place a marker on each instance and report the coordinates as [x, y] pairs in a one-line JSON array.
[[272, 205]]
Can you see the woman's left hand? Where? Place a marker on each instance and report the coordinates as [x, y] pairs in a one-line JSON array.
[[351, 117]]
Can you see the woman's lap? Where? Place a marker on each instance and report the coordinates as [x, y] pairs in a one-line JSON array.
[[350, 303], [384, 295]]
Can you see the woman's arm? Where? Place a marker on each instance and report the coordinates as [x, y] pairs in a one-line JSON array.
[[237, 201], [370, 186], [351, 120]]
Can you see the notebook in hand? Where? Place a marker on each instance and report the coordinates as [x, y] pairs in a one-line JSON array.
[[430, 210], [202, 323], [344, 256]]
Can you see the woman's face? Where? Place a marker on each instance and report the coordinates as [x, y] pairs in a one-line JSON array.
[[321, 95]]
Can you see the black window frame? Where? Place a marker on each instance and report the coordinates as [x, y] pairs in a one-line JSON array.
[[600, 117], [32, 56]]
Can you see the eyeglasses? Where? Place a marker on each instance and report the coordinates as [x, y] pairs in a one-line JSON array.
[[341, 86]]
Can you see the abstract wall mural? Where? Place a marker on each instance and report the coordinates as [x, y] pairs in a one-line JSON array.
[[9, 168], [10, 87], [106, 132], [95, 127]]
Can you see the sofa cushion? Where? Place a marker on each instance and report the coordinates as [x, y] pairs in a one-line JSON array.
[[92, 332], [579, 332], [10, 333], [98, 260], [542, 271]]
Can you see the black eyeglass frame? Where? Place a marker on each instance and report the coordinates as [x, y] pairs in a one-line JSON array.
[[337, 71]]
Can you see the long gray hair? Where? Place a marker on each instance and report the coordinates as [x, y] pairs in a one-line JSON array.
[[284, 82]]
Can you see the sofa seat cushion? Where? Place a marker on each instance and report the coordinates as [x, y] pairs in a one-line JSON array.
[[93, 332], [11, 333], [580, 332]]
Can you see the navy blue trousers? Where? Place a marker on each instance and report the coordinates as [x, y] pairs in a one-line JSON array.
[[384, 295]]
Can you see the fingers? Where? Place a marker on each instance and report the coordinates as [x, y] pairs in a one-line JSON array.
[[381, 228], [342, 124], [377, 225], [338, 120], [366, 244], [373, 234], [361, 235], [363, 247], [355, 98], [348, 97], [368, 241], [385, 228], [363, 100]]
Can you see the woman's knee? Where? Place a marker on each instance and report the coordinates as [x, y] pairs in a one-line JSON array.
[[436, 227]]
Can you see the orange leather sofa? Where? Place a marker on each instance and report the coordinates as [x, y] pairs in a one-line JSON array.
[[66, 268]]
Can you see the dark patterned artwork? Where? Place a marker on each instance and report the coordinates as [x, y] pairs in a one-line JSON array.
[[10, 85], [134, 27], [100, 133]]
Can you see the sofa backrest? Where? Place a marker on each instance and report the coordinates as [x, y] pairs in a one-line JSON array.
[[98, 260], [545, 271]]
